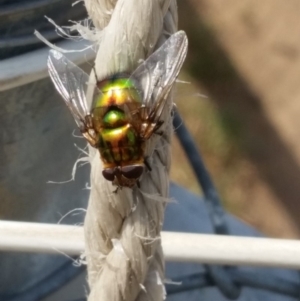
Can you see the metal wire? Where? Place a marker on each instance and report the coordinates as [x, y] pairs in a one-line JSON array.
[[212, 275], [216, 212], [254, 279], [213, 202]]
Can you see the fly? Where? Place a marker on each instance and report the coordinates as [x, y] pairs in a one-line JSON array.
[[126, 110]]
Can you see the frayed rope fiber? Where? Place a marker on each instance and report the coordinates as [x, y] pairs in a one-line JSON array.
[[122, 230]]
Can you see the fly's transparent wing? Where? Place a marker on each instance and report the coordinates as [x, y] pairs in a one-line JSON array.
[[72, 83], [154, 78]]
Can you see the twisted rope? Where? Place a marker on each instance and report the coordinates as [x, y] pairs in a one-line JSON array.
[[122, 231]]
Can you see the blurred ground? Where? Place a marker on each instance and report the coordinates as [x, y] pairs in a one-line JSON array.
[[245, 56]]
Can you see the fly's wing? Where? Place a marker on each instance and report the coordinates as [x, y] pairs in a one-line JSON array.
[[72, 83], [154, 78]]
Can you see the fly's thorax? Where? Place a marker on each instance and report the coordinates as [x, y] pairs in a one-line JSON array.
[[116, 92]]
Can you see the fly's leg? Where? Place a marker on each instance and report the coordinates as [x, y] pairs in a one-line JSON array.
[[157, 127], [150, 129], [116, 190], [146, 162], [173, 110], [88, 131], [89, 136], [118, 179], [95, 73]]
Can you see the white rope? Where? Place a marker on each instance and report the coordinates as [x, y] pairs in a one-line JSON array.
[[122, 231], [183, 247]]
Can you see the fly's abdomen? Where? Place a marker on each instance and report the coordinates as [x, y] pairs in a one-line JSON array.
[[120, 146]]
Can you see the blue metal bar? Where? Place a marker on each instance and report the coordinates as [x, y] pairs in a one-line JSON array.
[[250, 279], [217, 214], [253, 279], [212, 198]]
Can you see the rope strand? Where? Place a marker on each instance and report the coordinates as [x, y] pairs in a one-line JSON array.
[[122, 231]]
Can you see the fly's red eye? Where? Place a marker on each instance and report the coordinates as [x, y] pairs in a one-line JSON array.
[[109, 174], [132, 171]]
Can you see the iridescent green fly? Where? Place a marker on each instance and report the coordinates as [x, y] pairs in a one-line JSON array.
[[126, 110]]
